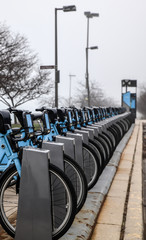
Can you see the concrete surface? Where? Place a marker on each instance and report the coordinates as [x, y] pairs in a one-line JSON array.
[[120, 217]]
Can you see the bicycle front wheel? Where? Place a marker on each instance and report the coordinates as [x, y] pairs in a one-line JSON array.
[[78, 179], [91, 166], [63, 208]]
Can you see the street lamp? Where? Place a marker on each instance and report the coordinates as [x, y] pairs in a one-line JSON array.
[[89, 15], [57, 72]]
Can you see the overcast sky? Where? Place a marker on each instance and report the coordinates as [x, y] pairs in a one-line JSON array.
[[119, 32]]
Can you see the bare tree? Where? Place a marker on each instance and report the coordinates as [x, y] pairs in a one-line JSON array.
[[20, 77], [97, 96], [49, 99]]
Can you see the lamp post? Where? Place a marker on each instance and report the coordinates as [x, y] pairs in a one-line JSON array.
[[70, 76], [89, 15], [57, 72]]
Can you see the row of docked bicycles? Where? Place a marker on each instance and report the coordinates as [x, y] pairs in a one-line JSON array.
[[109, 125]]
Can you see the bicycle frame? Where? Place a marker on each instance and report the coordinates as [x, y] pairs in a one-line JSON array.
[[8, 153], [9, 148]]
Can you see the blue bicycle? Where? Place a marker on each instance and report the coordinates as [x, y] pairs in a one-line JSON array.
[[46, 132], [58, 122], [11, 154]]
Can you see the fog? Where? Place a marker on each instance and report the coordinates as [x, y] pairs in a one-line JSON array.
[[119, 33]]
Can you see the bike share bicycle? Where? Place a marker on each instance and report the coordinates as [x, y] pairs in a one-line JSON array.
[[119, 125], [80, 122], [101, 144], [91, 166], [119, 122], [10, 179], [105, 141], [13, 179], [71, 167]]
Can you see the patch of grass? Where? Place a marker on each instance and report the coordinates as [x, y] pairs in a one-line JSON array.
[[16, 125], [36, 126]]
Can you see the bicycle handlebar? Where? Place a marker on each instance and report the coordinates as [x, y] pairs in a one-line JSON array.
[[11, 109], [15, 110]]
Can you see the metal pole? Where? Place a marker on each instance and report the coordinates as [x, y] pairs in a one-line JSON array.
[[70, 75], [87, 73], [70, 90], [56, 61], [126, 87], [121, 94], [57, 76]]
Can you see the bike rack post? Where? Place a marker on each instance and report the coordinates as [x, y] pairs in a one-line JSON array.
[[96, 129], [69, 149], [69, 145], [90, 131], [56, 153], [101, 126], [85, 135], [78, 147], [34, 208]]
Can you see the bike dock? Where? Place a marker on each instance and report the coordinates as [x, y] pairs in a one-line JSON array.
[[114, 207]]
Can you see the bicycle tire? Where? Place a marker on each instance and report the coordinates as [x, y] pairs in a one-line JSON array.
[[78, 179], [111, 136], [105, 145], [101, 149], [125, 124], [109, 144], [114, 132], [90, 165], [121, 125], [118, 131], [127, 121], [99, 153], [58, 179]]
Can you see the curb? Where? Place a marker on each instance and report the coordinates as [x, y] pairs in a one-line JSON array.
[[83, 224]]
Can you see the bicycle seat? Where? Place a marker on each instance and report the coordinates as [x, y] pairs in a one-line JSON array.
[[40, 109], [19, 114], [95, 110], [5, 121], [61, 114]]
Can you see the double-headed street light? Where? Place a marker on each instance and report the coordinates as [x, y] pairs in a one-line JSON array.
[[89, 15], [57, 73]]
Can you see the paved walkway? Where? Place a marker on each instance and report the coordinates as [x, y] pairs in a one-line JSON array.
[[120, 217]]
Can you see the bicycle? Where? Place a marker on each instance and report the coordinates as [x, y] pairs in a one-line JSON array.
[[71, 168], [10, 179], [91, 166]]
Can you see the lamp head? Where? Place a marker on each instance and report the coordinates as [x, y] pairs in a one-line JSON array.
[[91, 15], [69, 8], [94, 47]]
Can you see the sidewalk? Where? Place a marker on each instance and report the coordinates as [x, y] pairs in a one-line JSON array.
[[120, 217]]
